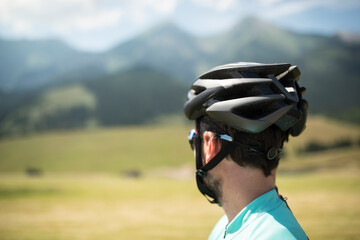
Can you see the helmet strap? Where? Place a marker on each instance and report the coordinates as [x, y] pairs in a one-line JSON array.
[[202, 170]]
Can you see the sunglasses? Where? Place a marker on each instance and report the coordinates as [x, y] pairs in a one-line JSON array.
[[193, 133], [191, 138]]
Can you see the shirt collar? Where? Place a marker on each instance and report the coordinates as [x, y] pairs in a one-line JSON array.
[[264, 203]]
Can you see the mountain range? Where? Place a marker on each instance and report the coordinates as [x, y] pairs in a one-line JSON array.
[[160, 65]]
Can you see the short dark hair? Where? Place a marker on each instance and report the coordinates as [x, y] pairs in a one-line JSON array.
[[272, 137]]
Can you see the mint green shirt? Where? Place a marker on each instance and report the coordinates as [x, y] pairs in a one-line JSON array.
[[267, 217]]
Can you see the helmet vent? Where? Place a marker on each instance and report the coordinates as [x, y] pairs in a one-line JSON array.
[[198, 89], [259, 110]]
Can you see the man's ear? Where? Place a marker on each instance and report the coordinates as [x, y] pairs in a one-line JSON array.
[[212, 146]]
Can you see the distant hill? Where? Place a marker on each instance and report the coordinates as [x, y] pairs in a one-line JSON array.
[[132, 97], [136, 96], [164, 47], [29, 64], [256, 40], [32, 72], [329, 65]]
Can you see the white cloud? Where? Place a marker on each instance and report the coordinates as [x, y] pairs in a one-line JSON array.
[[82, 20], [61, 16], [268, 2], [162, 6], [288, 8], [88, 22], [217, 5], [41, 17], [143, 11], [33, 17]]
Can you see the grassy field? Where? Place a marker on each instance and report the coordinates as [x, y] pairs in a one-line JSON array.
[[110, 207], [98, 150], [83, 194]]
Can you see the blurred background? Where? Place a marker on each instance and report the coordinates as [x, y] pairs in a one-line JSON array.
[[93, 141]]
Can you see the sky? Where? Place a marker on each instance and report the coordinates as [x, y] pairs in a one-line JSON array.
[[97, 25]]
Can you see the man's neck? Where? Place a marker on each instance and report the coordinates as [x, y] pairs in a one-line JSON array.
[[242, 185]]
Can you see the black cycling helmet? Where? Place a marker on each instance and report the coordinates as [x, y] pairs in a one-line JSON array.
[[250, 97]]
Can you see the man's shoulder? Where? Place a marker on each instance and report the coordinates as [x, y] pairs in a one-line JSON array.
[[273, 225], [279, 223], [267, 217]]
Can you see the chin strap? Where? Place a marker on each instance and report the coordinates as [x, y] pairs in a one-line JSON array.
[[201, 173], [226, 148]]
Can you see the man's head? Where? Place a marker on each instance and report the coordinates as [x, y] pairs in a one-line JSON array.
[[251, 108]]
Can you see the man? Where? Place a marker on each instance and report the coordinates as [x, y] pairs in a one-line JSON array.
[[243, 113]]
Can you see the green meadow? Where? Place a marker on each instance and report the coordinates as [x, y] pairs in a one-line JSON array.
[[82, 187]]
